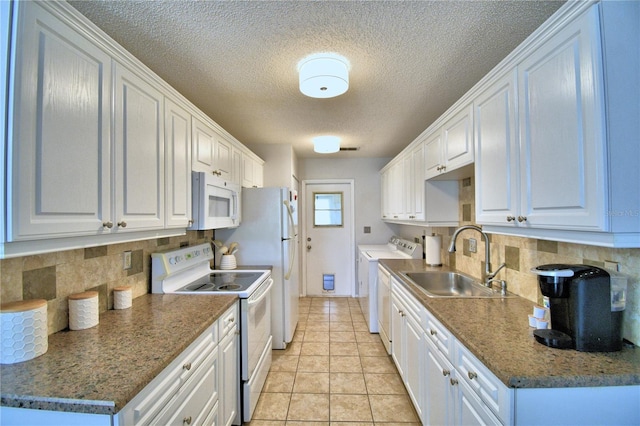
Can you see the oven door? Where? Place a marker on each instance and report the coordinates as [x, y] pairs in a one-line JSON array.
[[255, 327]]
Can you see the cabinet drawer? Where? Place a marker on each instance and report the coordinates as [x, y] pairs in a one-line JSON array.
[[409, 303], [196, 399], [161, 390], [438, 334], [228, 321], [485, 384]]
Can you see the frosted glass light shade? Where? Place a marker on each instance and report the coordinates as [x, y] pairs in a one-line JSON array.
[[326, 144], [324, 75]]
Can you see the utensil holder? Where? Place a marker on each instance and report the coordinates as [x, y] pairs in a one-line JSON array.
[[228, 261]]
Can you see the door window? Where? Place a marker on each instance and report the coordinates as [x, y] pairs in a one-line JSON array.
[[327, 209]]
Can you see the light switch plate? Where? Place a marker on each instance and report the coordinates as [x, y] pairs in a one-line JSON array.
[[473, 245], [126, 260]]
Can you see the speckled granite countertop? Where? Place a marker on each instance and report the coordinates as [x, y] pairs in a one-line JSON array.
[[496, 331], [100, 369]]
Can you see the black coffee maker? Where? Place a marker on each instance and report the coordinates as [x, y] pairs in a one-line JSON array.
[[586, 305]]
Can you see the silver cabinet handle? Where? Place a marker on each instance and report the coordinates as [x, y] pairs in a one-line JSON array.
[[122, 224], [190, 221], [453, 381], [187, 420], [108, 224], [446, 373], [522, 219], [187, 366], [433, 332], [510, 218], [472, 375]]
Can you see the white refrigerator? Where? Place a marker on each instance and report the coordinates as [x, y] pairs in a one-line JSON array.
[[268, 235]]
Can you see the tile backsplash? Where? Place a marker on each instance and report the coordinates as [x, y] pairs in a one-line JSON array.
[[54, 276], [522, 254]]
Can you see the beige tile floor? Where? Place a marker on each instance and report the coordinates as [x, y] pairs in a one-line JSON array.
[[333, 373]]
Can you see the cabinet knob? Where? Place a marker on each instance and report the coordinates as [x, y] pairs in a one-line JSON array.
[[472, 375], [122, 224], [107, 224], [401, 313], [446, 373], [510, 218], [190, 221], [187, 420], [453, 381], [522, 219], [187, 366], [433, 332]]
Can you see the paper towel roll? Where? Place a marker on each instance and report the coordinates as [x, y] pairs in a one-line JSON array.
[[24, 330], [83, 310], [432, 247]]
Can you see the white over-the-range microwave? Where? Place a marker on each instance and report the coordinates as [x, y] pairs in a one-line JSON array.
[[215, 202]]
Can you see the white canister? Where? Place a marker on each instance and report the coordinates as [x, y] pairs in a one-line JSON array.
[[122, 297], [228, 261], [24, 330], [83, 310]]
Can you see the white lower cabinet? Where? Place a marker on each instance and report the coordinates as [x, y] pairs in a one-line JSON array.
[[446, 383], [229, 372]]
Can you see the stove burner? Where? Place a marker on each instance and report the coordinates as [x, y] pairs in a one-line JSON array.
[[199, 287], [228, 287]]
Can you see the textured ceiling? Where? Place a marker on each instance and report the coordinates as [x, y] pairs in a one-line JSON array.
[[236, 61]]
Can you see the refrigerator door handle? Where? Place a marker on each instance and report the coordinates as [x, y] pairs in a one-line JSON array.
[[292, 244]]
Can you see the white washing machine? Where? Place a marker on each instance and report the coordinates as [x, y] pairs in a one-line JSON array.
[[368, 256]]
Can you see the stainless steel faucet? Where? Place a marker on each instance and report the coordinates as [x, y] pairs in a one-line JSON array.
[[487, 252]]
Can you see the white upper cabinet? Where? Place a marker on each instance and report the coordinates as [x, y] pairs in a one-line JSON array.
[[139, 147], [203, 147], [252, 172], [59, 149], [562, 141], [451, 147], [497, 155], [177, 135], [555, 164]]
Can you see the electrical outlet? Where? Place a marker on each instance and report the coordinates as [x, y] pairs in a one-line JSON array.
[[611, 265], [126, 260], [473, 245]]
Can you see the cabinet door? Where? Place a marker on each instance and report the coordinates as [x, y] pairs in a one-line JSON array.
[[229, 379], [408, 183], [418, 177], [433, 154], [497, 156], [177, 165], [236, 166], [58, 157], [439, 394], [457, 140], [223, 157], [413, 363], [560, 89], [470, 410], [139, 139], [385, 201], [397, 335], [203, 147], [258, 174]]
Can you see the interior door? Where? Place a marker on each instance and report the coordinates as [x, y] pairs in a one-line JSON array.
[[328, 240]]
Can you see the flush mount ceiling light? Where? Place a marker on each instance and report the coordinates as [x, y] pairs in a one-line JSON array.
[[326, 144], [324, 75]]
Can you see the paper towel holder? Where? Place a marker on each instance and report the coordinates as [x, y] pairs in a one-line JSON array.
[[432, 250]]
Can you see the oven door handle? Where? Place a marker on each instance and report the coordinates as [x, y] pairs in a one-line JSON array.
[[264, 294]]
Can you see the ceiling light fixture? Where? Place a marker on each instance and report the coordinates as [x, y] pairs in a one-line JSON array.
[[326, 144], [324, 75]]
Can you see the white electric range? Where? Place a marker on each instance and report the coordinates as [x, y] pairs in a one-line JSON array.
[[187, 271], [396, 248]]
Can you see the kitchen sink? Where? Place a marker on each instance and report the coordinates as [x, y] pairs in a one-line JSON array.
[[450, 284]]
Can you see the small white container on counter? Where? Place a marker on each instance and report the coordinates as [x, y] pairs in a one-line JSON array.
[[24, 330], [122, 297], [228, 261], [83, 310]]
